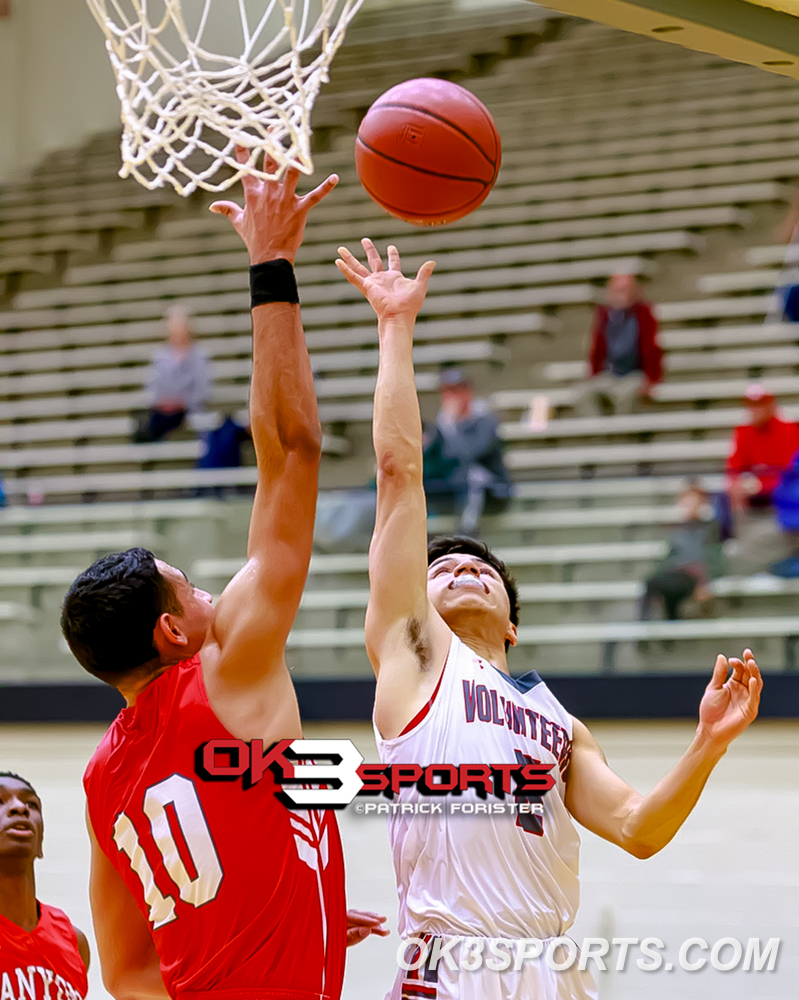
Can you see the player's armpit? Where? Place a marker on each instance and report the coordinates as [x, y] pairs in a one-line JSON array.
[[128, 959]]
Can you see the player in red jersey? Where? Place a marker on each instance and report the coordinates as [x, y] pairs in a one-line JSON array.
[[199, 886], [42, 956]]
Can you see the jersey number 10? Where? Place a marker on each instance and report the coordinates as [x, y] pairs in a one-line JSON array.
[[195, 888]]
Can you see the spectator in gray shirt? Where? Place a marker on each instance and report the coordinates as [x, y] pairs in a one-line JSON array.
[[178, 380], [464, 469]]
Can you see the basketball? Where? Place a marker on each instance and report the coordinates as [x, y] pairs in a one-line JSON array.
[[428, 152]]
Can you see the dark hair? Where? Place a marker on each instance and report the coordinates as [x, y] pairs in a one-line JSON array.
[[110, 612], [20, 779], [446, 544]]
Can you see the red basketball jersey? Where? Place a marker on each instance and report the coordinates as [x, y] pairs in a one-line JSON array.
[[42, 964], [243, 895]]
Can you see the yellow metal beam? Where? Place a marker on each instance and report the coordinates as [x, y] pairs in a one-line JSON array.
[[753, 33]]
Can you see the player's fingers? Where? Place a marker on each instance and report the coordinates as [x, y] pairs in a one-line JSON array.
[[291, 179], [352, 262], [352, 276], [739, 672], [248, 182], [372, 255], [394, 262], [270, 165], [228, 208], [754, 673], [719, 672], [753, 700], [320, 192], [425, 271], [364, 917]]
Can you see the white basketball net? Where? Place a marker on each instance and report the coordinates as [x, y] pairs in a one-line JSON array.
[[177, 97]]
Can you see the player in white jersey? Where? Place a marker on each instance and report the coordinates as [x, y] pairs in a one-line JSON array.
[[438, 628]]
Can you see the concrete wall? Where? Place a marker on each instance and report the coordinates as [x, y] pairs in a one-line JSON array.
[[56, 84]]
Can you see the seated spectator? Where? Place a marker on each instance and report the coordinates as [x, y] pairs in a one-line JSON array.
[[761, 450], [178, 380], [625, 358], [464, 470], [693, 560]]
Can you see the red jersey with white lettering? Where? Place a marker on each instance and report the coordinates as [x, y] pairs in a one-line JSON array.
[[244, 896], [42, 964]]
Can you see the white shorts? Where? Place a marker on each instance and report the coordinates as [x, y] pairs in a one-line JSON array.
[[535, 979]]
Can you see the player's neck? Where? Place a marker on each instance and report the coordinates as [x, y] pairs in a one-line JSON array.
[[18, 893], [142, 677], [486, 647]]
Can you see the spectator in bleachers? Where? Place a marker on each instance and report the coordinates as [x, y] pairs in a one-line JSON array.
[[693, 560], [625, 357], [761, 450], [178, 380], [464, 469]]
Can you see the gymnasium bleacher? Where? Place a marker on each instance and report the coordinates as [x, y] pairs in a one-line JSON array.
[[680, 180]]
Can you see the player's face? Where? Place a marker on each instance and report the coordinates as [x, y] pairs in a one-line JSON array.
[[458, 582], [21, 825], [198, 609]]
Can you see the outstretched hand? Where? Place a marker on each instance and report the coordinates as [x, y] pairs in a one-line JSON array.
[[361, 923], [729, 705], [272, 222], [388, 292]]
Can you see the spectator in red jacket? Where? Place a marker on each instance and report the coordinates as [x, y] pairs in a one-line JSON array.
[[761, 451], [625, 358]]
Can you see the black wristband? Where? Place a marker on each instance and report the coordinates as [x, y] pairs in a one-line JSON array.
[[273, 281]]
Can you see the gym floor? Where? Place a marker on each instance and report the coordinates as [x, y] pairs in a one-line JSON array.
[[732, 871]]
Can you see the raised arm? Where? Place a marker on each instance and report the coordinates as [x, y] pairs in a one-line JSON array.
[[643, 824], [406, 640], [256, 611]]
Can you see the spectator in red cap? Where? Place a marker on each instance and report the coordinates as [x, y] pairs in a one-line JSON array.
[[761, 451], [625, 358]]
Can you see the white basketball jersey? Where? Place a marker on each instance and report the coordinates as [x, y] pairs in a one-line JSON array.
[[485, 875]]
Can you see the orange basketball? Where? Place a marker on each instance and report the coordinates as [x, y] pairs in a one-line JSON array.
[[428, 152]]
